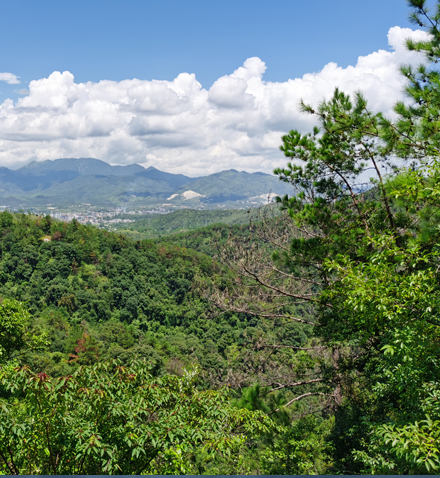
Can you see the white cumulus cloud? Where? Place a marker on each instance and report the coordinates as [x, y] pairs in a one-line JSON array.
[[10, 78], [178, 125]]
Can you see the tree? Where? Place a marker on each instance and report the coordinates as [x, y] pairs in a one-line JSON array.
[[329, 216], [108, 419], [365, 259], [16, 333]]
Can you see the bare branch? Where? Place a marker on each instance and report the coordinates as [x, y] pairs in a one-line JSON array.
[[309, 394], [297, 384], [293, 347]]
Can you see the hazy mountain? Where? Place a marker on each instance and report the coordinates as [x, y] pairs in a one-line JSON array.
[[232, 185], [103, 190], [173, 180], [83, 166], [26, 181], [64, 182]]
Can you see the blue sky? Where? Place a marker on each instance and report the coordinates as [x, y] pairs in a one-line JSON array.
[[96, 39], [191, 86]]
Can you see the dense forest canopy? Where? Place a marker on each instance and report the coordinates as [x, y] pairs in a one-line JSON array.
[[100, 296], [155, 226], [308, 343]]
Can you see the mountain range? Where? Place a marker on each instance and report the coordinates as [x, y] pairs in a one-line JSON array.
[[71, 181]]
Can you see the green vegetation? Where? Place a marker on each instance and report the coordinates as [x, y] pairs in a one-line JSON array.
[[310, 347], [178, 222], [97, 297], [109, 419], [100, 296], [15, 330]]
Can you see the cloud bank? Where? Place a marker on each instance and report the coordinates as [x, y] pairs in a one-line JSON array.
[[178, 125]]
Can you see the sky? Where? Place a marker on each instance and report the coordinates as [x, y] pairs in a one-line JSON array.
[[188, 86]]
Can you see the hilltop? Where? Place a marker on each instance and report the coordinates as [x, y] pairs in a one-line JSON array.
[[69, 181]]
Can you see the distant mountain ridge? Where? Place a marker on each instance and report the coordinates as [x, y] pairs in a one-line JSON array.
[[83, 166], [174, 180], [69, 181]]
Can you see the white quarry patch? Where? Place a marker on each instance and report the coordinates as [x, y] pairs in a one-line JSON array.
[[172, 197], [268, 196], [191, 195]]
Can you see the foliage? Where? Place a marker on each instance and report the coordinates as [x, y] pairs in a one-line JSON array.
[[388, 310], [302, 449], [375, 250], [98, 296], [15, 330], [109, 419], [178, 222], [330, 323]]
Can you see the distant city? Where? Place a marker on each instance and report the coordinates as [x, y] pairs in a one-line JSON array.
[[89, 215], [103, 218]]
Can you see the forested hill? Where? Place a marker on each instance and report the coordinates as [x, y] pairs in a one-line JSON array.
[[181, 221], [100, 295], [207, 240], [312, 349]]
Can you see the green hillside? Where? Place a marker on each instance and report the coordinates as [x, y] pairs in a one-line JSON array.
[[235, 185], [307, 343], [177, 222], [125, 299]]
